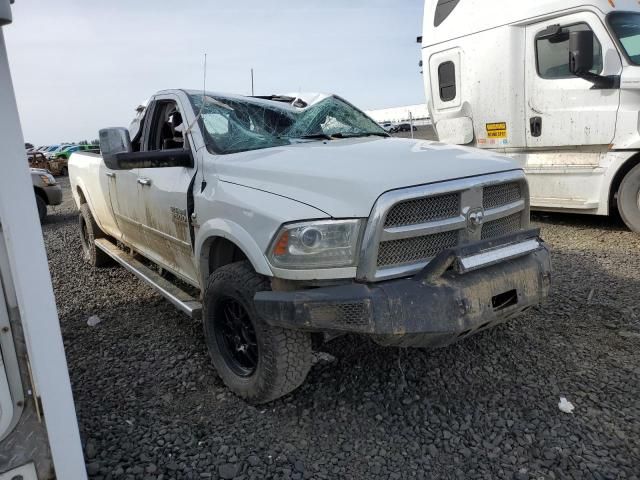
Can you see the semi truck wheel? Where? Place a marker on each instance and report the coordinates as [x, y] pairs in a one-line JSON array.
[[42, 208], [256, 361], [629, 199], [89, 231]]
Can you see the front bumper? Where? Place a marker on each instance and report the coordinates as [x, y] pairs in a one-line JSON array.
[[54, 194], [454, 296]]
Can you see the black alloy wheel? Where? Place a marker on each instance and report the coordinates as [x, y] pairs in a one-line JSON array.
[[236, 337]]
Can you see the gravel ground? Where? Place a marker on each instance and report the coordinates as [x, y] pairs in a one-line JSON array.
[[150, 406]]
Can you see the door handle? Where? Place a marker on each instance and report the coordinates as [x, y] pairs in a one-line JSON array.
[[110, 175], [144, 181], [536, 126]]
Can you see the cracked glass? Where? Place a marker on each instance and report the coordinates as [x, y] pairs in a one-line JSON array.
[[237, 124]]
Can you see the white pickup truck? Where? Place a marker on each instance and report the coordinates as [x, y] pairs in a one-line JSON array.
[[288, 220]]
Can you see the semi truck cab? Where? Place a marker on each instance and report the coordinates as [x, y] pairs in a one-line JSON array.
[[554, 84]]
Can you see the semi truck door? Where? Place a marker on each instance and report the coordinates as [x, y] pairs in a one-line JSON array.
[[562, 109], [163, 192]]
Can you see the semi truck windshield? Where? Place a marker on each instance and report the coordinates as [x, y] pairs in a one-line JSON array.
[[626, 26]]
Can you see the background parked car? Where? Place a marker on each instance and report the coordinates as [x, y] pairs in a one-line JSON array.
[[405, 127], [388, 126], [66, 152], [58, 166], [52, 150], [37, 160], [46, 189], [55, 166]]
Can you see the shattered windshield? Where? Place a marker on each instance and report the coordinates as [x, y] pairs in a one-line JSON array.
[[237, 124]]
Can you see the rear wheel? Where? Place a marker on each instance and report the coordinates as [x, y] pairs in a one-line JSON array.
[[629, 199], [42, 207], [256, 361], [89, 231]]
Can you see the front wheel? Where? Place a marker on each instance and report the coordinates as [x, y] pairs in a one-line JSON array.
[[629, 199], [256, 361]]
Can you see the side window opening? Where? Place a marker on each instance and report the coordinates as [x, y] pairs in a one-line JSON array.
[[552, 54], [443, 10], [447, 81], [166, 128]]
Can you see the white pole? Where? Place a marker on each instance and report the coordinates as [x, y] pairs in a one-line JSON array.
[[30, 276]]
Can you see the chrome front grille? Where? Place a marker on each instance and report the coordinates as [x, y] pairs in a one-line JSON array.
[[502, 194], [409, 227], [411, 250], [502, 226], [422, 210]]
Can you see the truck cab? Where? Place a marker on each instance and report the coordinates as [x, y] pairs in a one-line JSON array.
[[554, 84]]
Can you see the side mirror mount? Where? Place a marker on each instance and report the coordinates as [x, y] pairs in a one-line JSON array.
[[118, 154], [581, 52]]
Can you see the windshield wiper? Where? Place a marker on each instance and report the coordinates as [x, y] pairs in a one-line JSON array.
[[317, 136], [362, 134], [339, 135]]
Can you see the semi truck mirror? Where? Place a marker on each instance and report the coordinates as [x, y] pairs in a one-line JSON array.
[[580, 52]]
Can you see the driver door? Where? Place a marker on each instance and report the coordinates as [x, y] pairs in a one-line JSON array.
[[164, 193], [562, 109]]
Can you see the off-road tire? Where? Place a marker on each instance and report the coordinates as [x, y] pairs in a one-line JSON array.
[[284, 356], [629, 199], [89, 231], [42, 208]]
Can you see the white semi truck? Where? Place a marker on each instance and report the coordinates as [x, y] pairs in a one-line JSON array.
[[39, 437], [555, 84]]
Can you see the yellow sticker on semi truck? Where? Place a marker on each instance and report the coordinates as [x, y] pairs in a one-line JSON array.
[[497, 130]]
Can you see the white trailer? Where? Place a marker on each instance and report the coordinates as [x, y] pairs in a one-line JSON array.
[[555, 84], [38, 428]]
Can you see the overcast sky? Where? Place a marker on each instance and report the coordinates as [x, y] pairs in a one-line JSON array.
[[81, 65]]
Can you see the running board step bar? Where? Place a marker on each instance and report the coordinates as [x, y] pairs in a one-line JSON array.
[[179, 298]]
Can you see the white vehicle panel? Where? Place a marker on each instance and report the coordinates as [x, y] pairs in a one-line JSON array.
[[248, 217], [86, 175], [572, 164], [571, 110], [344, 178]]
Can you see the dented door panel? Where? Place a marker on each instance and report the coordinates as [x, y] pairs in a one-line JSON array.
[[165, 220], [124, 195]]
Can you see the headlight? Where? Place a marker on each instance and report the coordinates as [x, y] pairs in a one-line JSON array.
[[323, 244], [48, 179]]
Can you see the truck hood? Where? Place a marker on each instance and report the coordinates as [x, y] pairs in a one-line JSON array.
[[344, 178]]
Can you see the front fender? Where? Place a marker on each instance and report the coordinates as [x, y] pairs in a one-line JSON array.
[[247, 217], [229, 230]]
